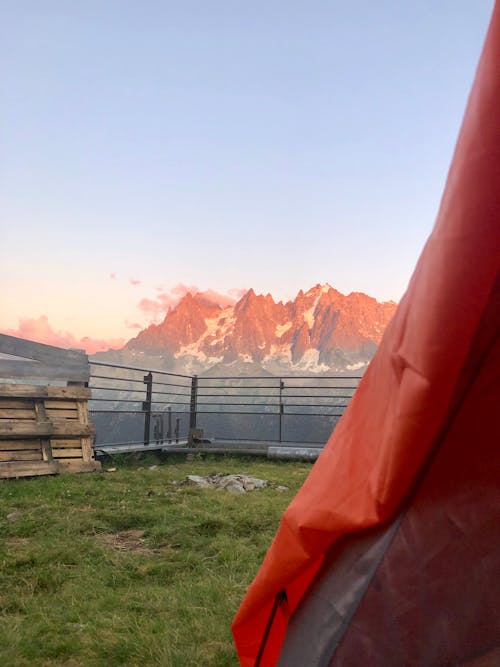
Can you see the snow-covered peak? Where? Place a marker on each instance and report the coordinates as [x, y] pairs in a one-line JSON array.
[[343, 331]]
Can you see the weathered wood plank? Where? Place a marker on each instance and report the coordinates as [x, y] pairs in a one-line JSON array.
[[64, 442], [78, 466], [11, 413], [28, 468], [12, 421], [66, 453], [28, 349], [33, 369], [17, 404], [25, 455], [35, 429], [51, 404], [62, 414], [40, 410], [83, 411], [12, 390], [87, 450], [46, 449], [20, 444]]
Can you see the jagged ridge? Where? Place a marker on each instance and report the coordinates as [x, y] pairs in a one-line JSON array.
[[320, 330]]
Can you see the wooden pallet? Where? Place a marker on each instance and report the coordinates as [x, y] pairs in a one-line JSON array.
[[44, 429]]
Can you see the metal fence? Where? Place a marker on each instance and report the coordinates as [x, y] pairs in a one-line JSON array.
[[138, 408], [134, 407]]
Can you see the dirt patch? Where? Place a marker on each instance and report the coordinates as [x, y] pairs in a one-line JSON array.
[[129, 540], [83, 508], [16, 542]]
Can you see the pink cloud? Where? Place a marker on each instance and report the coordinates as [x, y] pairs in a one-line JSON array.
[[237, 292], [112, 276], [40, 330], [134, 281], [157, 307], [133, 325], [93, 345], [151, 306], [222, 300], [165, 299]]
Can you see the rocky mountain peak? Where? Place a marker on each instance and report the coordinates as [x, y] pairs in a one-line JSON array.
[[321, 330]]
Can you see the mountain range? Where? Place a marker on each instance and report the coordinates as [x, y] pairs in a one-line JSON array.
[[320, 331]]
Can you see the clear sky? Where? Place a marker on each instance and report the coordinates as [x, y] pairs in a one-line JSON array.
[[274, 144]]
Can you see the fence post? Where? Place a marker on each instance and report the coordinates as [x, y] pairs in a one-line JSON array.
[[282, 386], [193, 402], [158, 428], [193, 432], [169, 429], [146, 405]]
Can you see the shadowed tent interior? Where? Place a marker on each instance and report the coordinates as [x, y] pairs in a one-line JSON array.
[[389, 554]]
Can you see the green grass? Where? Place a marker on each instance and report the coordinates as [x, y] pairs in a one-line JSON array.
[[73, 592]]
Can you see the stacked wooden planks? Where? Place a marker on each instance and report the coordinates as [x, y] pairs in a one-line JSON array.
[[44, 429]]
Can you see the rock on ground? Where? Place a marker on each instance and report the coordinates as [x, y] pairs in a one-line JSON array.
[[233, 483]]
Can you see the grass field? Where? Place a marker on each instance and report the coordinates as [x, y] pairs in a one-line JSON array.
[[126, 568]]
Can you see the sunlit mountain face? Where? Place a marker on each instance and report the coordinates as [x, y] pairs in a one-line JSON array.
[[320, 331]]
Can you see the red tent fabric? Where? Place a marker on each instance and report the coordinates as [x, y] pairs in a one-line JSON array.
[[434, 375]]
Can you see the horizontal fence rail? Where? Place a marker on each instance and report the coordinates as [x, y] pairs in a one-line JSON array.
[[139, 408]]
